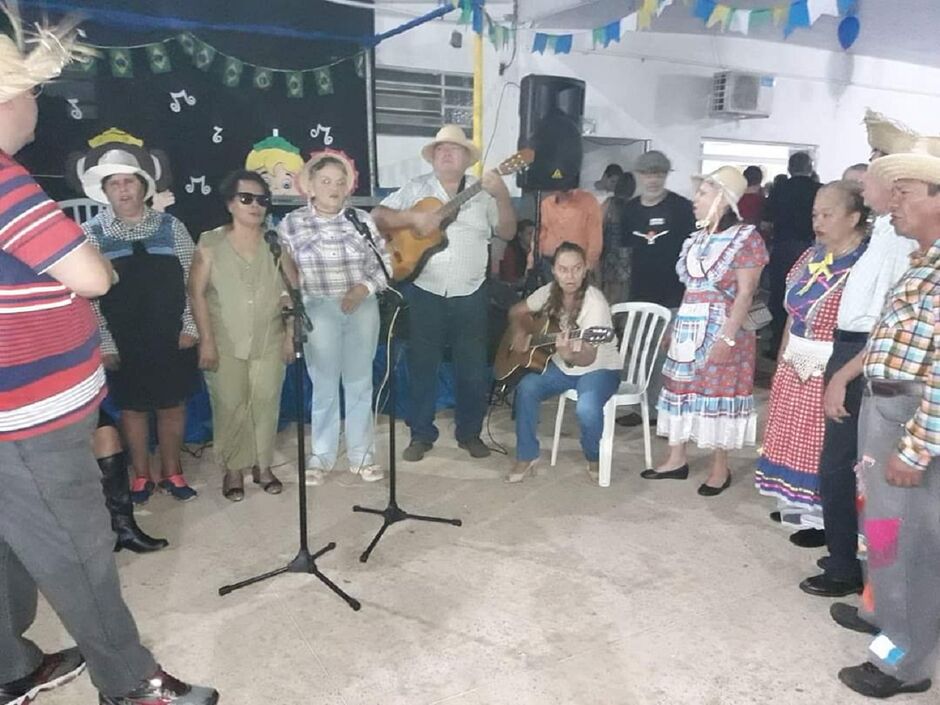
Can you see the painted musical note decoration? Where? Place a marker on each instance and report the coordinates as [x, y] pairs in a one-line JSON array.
[[217, 134], [75, 112], [175, 96], [204, 188], [322, 129]]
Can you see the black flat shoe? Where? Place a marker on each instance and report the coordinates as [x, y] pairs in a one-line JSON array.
[[846, 616], [871, 681], [775, 516], [709, 491], [824, 586], [677, 474], [808, 538], [823, 563]]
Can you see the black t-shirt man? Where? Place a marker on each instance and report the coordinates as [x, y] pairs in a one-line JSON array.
[[655, 234], [791, 210]]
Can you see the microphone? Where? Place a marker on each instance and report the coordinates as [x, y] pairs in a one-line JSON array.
[[353, 217], [270, 237]]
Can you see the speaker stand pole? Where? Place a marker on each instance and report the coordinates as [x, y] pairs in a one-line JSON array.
[[534, 279]]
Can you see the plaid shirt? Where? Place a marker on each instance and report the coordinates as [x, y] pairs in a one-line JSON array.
[[904, 346], [330, 254]]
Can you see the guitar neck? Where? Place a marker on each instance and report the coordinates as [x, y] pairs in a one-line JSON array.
[[539, 341], [449, 209]]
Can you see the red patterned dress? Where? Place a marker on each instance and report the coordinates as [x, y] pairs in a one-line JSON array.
[[793, 439]]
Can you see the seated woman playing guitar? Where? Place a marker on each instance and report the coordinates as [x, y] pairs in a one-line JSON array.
[[569, 303]]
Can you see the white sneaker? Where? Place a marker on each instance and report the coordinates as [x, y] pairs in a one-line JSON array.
[[371, 473], [316, 477]]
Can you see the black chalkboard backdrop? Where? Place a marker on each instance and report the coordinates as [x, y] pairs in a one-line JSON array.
[[212, 136]]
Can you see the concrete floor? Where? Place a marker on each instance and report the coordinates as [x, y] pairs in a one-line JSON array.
[[553, 591]]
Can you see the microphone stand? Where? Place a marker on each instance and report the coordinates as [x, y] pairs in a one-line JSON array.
[[304, 561], [392, 514]]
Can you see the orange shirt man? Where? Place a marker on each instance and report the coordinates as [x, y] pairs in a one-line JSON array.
[[572, 216]]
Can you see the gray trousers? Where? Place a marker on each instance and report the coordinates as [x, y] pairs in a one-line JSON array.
[[902, 531], [55, 535]]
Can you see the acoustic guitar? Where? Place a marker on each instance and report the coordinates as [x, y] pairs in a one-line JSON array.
[[511, 365], [410, 252]]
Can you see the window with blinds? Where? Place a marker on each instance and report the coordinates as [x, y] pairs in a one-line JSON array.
[[417, 103]]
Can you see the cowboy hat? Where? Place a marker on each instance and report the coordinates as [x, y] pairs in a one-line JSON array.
[[886, 135], [451, 134], [730, 182], [28, 60], [305, 177], [921, 163], [111, 163]]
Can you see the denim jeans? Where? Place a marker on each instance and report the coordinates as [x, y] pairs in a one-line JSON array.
[[434, 323], [594, 389], [341, 348]]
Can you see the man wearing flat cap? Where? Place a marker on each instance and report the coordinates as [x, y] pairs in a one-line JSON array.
[[899, 435]]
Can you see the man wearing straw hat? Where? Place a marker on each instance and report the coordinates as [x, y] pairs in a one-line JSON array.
[[55, 533], [448, 302], [899, 432]]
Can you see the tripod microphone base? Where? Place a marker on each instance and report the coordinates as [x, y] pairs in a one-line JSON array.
[[393, 514], [304, 562]]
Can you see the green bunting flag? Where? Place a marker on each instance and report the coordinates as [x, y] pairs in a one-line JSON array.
[[263, 78], [122, 65], [187, 43], [159, 58], [295, 84], [324, 81], [204, 56], [232, 72]]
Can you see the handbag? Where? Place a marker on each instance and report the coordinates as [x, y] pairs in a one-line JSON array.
[[758, 316]]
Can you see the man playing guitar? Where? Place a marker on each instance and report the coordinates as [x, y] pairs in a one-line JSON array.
[[447, 300]]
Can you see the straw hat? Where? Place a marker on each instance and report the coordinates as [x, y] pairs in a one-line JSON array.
[[921, 163], [730, 182], [888, 136], [451, 134], [304, 179], [30, 59], [111, 163]]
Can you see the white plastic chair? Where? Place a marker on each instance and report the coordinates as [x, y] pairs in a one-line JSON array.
[[80, 209], [643, 332]]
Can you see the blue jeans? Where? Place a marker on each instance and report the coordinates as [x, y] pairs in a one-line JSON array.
[[436, 322], [341, 346], [594, 389]]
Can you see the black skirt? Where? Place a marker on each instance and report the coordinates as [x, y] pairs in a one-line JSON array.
[[144, 311]]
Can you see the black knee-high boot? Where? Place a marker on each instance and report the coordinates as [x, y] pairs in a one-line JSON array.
[[117, 496]]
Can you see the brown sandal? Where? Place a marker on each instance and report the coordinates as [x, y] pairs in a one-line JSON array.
[[272, 486]]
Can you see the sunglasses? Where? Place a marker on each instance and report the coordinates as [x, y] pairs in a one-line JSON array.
[[246, 198]]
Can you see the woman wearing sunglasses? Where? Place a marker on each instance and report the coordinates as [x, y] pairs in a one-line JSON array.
[[236, 299], [339, 276]]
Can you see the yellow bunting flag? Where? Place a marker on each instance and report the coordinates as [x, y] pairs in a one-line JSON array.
[[720, 15], [781, 13]]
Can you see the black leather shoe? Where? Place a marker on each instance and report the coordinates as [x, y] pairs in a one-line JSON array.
[[633, 420], [416, 450], [475, 447], [54, 670], [823, 563], [677, 474], [709, 491], [164, 689], [824, 586], [871, 681], [775, 516], [847, 616], [808, 538]]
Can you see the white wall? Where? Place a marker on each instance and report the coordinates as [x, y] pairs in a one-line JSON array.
[[656, 86]]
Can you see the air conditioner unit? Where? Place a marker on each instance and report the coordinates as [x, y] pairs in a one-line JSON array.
[[742, 95]]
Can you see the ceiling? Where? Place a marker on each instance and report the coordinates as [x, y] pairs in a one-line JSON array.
[[902, 30]]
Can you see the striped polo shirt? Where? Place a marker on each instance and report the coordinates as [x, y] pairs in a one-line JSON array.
[[50, 365]]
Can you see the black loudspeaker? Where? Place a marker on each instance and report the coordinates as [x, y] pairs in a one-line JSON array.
[[550, 111]]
